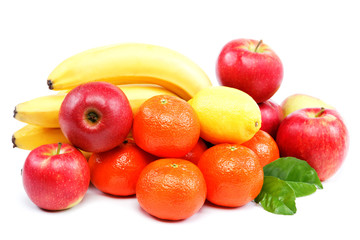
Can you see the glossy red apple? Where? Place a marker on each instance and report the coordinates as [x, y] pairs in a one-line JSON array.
[[316, 135], [271, 117], [250, 66], [95, 116], [56, 176]]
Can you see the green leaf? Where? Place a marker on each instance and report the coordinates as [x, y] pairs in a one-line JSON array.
[[297, 173], [277, 196], [302, 189]]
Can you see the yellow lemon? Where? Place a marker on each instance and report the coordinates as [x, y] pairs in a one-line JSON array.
[[227, 115]]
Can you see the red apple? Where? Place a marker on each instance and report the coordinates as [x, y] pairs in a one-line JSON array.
[[250, 66], [56, 176], [316, 135], [95, 116], [271, 117]]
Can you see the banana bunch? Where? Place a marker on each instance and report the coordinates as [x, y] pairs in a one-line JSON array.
[[30, 137], [128, 64], [42, 115], [44, 111], [141, 71]]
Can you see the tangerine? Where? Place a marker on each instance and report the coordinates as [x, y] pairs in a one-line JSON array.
[[264, 146], [166, 126], [195, 154], [116, 171], [233, 174], [171, 189]]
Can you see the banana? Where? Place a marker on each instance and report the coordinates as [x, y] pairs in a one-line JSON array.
[[41, 111], [137, 94], [44, 111], [131, 63], [30, 137]]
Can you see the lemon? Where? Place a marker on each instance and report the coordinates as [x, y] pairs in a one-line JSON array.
[[227, 115]]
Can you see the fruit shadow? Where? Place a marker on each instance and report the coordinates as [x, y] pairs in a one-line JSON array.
[[212, 205], [53, 211], [97, 192], [191, 218], [149, 216]]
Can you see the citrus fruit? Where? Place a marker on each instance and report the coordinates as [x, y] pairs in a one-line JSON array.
[[166, 126], [171, 189], [195, 154], [264, 146], [233, 174], [227, 115], [116, 171]]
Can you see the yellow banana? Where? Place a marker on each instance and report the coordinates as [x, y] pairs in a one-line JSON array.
[[131, 63], [44, 111], [30, 137], [41, 111], [137, 94]]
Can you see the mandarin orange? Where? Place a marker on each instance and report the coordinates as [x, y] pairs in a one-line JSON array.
[[166, 126], [233, 174], [195, 154], [116, 171], [171, 189], [264, 146]]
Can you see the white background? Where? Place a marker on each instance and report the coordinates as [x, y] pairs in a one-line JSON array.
[[318, 42]]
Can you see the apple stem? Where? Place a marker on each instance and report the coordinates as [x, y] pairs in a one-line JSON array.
[[322, 109], [58, 149], [258, 45]]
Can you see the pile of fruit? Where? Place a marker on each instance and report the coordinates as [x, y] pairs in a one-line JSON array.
[[139, 119]]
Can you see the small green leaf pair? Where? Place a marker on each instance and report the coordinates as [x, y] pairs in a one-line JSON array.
[[284, 180]]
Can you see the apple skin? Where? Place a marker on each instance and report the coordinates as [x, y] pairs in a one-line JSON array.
[[258, 73], [55, 181], [271, 117], [321, 140], [95, 116], [299, 101]]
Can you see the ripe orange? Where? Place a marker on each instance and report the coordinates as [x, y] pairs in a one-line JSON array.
[[195, 154], [233, 174], [171, 189], [116, 171], [264, 146], [166, 126]]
